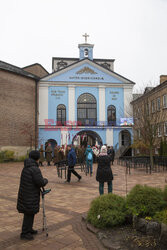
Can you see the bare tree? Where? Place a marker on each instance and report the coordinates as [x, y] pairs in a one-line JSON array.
[[29, 132], [148, 125]]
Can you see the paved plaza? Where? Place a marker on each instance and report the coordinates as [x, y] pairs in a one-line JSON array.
[[65, 205]]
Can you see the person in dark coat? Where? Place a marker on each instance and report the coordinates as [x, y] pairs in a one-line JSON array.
[[112, 152], [79, 154], [42, 158], [66, 153], [82, 155], [71, 164], [104, 171], [61, 156], [28, 200], [55, 158], [49, 154]]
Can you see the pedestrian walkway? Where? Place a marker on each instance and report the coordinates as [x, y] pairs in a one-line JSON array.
[[65, 205]]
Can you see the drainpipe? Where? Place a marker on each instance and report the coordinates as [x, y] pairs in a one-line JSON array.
[[36, 113]]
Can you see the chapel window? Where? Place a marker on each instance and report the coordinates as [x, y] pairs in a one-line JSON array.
[[61, 115], [111, 115], [86, 110], [86, 52]]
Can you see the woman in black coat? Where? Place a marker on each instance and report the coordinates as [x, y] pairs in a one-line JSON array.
[[29, 193], [104, 171]]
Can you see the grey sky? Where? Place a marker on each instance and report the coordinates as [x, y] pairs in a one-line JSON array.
[[133, 32]]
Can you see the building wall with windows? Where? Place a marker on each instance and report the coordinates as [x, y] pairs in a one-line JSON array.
[[153, 105], [91, 99]]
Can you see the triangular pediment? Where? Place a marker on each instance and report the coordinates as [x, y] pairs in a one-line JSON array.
[[86, 71]]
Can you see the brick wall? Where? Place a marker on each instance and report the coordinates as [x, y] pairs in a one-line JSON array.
[[37, 70], [17, 109], [163, 78]]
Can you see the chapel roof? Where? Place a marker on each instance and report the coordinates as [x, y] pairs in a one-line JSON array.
[[75, 63]]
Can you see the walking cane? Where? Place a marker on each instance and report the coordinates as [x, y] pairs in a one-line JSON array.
[[43, 192]]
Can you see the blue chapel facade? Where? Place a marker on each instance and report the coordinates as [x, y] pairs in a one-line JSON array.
[[84, 99]]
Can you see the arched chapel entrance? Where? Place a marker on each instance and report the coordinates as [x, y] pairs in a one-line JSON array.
[[87, 137], [124, 138], [52, 142]]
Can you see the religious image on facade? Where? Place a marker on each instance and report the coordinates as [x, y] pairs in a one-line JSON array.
[[83, 101]]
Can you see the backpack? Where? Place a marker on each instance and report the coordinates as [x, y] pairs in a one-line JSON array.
[[89, 156]]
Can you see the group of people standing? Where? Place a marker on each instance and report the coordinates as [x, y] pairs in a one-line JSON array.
[[80, 154], [70, 155], [59, 154]]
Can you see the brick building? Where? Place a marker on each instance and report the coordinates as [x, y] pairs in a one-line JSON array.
[[18, 102], [36, 69], [150, 115]]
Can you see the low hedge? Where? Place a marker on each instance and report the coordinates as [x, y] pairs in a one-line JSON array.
[[145, 201], [161, 216], [7, 155], [165, 193], [107, 211]]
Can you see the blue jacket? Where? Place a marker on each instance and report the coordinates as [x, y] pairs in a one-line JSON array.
[[87, 152], [71, 157]]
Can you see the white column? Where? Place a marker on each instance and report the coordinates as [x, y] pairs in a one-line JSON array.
[[109, 136], [102, 113], [128, 97], [43, 104], [71, 103]]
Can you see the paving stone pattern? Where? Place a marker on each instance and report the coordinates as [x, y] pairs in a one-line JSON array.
[[65, 205]]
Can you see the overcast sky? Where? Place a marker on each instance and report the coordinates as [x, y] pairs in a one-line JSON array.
[[133, 32]]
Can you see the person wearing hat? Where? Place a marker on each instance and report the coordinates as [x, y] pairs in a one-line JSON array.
[[28, 200], [104, 171], [49, 154], [111, 153], [42, 158]]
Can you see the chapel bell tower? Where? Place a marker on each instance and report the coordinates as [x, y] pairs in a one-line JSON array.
[[85, 49]]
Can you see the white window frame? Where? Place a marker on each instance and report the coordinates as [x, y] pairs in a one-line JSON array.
[[156, 151], [148, 109], [158, 104], [153, 130], [153, 106], [165, 128], [159, 130], [164, 101]]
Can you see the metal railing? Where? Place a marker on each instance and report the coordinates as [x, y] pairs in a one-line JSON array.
[[143, 163]]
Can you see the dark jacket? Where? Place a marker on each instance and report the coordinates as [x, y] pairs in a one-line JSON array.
[[29, 191], [104, 172], [111, 153], [71, 157], [48, 153]]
